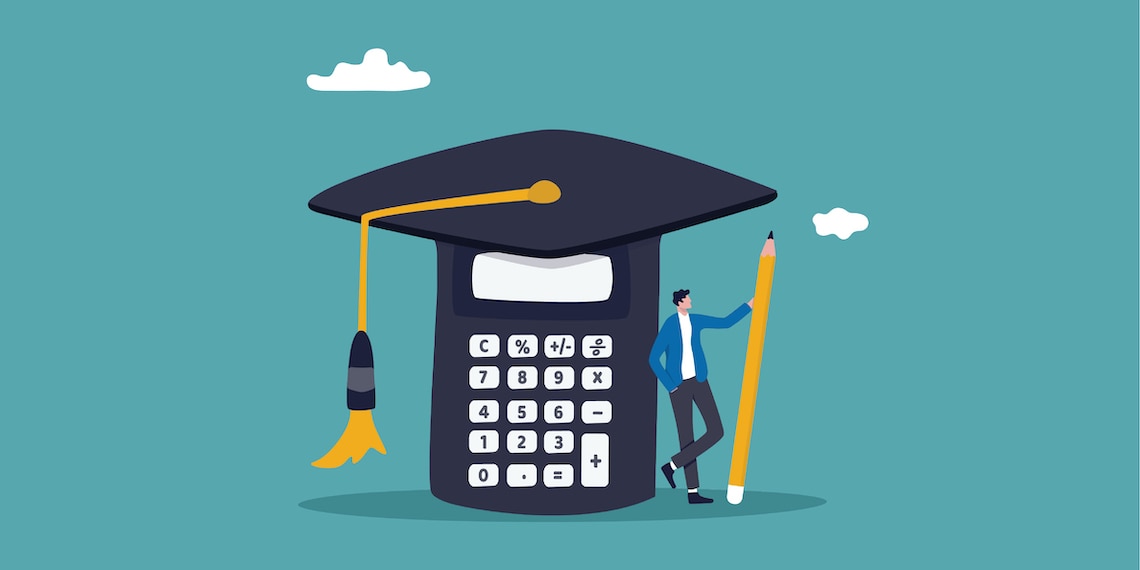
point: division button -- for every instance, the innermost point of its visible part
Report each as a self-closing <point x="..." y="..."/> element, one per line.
<point x="597" y="346"/>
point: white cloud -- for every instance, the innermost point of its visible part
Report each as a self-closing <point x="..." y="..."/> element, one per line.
<point x="839" y="222"/>
<point x="373" y="73"/>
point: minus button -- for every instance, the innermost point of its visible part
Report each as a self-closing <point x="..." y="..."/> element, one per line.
<point x="597" y="412"/>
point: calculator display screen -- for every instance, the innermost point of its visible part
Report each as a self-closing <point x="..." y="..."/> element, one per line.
<point x="583" y="278"/>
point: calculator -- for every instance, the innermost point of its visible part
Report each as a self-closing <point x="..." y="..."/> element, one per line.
<point x="543" y="401"/>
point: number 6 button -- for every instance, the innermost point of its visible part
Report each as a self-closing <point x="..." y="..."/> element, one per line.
<point x="558" y="412"/>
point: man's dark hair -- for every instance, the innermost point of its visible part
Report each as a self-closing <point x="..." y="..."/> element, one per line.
<point x="679" y="295"/>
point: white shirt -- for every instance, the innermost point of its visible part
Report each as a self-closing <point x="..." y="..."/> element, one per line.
<point x="688" y="363"/>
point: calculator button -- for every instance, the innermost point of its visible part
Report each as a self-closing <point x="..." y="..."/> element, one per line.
<point x="558" y="345"/>
<point x="596" y="412"/>
<point x="558" y="377"/>
<point x="522" y="441"/>
<point x="483" y="441"/>
<point x="522" y="377"/>
<point x="483" y="377"/>
<point x="558" y="412"/>
<point x="483" y="345"/>
<point x="558" y="441"/>
<point x="597" y="378"/>
<point x="522" y="475"/>
<point x="522" y="411"/>
<point x="483" y="411"/>
<point x="558" y="475"/>
<point x="522" y="346"/>
<point x="597" y="346"/>
<point x="483" y="475"/>
<point x="595" y="460"/>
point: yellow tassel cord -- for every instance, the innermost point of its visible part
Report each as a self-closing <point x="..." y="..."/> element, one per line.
<point x="360" y="434"/>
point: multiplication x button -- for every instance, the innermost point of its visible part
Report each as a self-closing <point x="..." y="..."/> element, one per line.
<point x="597" y="378"/>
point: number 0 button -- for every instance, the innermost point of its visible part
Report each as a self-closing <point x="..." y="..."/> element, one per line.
<point x="483" y="475"/>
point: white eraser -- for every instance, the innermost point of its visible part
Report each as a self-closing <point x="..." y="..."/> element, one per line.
<point x="735" y="494"/>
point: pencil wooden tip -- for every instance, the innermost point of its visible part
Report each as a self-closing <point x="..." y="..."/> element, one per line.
<point x="770" y="235"/>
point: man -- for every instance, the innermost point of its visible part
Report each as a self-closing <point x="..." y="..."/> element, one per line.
<point x="685" y="377"/>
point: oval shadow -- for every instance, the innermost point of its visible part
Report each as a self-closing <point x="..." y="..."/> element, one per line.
<point x="422" y="505"/>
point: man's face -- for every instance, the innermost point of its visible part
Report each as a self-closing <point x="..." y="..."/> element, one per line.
<point x="685" y="303"/>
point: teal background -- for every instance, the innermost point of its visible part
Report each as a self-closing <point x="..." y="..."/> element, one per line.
<point x="958" y="382"/>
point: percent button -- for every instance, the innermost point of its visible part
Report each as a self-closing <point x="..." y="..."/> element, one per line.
<point x="522" y="346"/>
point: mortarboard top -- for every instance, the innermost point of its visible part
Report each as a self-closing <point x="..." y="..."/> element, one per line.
<point x="613" y="192"/>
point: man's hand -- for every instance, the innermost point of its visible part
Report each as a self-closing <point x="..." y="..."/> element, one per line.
<point x="750" y="302"/>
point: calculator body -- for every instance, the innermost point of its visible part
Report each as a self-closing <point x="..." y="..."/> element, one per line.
<point x="545" y="407"/>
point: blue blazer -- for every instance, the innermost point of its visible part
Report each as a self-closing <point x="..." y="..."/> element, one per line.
<point x="669" y="343"/>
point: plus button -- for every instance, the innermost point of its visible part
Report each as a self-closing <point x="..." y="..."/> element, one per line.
<point x="595" y="460"/>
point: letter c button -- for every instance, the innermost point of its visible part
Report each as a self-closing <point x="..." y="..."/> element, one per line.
<point x="483" y="346"/>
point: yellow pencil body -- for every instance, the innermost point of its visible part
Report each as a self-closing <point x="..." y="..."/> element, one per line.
<point x="751" y="380"/>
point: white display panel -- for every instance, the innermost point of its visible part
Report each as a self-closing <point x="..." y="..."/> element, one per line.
<point x="583" y="278"/>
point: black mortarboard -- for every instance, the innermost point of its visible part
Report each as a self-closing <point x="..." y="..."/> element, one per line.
<point x="613" y="192"/>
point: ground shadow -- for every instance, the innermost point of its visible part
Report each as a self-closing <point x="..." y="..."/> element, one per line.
<point x="422" y="505"/>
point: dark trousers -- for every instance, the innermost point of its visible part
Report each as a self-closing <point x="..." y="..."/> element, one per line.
<point x="688" y="393"/>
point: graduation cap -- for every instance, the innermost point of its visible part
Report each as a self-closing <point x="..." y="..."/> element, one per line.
<point x="563" y="244"/>
<point x="613" y="192"/>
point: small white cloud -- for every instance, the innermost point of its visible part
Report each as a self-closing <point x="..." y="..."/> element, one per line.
<point x="372" y="74"/>
<point x="839" y="222"/>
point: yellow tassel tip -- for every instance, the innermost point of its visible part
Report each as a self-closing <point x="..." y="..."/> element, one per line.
<point x="359" y="436"/>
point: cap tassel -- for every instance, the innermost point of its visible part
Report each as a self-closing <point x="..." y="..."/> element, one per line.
<point x="360" y="434"/>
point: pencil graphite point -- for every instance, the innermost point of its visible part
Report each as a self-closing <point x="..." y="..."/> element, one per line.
<point x="770" y="235"/>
